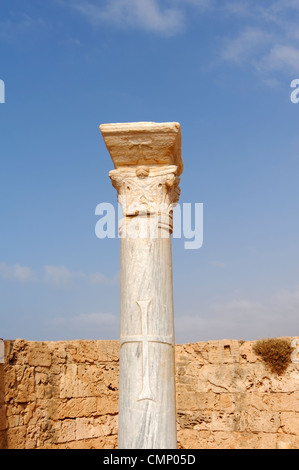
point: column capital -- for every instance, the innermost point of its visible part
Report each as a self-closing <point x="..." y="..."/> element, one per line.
<point x="146" y="190"/>
<point x="147" y="161"/>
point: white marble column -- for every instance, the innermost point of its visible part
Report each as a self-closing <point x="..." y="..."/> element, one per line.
<point x="147" y="161"/>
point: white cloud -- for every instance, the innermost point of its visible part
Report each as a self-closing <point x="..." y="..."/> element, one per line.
<point x="244" y="319"/>
<point x="202" y="4"/>
<point x="98" y="325"/>
<point x="62" y="276"/>
<point x="16" y="273"/>
<point x="219" y="264"/>
<point x="281" y="57"/>
<point x="99" y="278"/>
<point x="241" y="48"/>
<point x="19" y="24"/>
<point x="143" y="14"/>
<point x="93" y="319"/>
<point x="269" y="42"/>
<point x="74" y="41"/>
<point x="240" y="7"/>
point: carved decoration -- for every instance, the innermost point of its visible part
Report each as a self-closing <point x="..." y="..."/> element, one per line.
<point x="145" y="338"/>
<point x="146" y="190"/>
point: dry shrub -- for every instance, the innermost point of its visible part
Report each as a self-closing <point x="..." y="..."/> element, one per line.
<point x="276" y="352"/>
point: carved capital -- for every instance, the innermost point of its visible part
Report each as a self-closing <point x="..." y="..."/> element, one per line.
<point x="147" y="161"/>
<point x="146" y="190"/>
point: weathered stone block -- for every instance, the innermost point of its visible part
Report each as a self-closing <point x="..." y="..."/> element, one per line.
<point x="289" y="422"/>
<point x="69" y="381"/>
<point x="25" y="389"/>
<point x="74" y="407"/>
<point x="88" y="428"/>
<point x="263" y="421"/>
<point x="223" y="352"/>
<point x="65" y="431"/>
<point x="107" y="404"/>
<point x="16" y="437"/>
<point x="39" y="355"/>
<point x="3" y="418"/>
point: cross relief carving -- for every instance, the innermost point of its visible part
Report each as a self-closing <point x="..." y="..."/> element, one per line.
<point x="145" y="338"/>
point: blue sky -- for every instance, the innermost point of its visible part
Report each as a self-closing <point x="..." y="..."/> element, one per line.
<point x="223" y="70"/>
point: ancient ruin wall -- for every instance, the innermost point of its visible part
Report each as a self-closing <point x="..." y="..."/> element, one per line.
<point x="65" y="395"/>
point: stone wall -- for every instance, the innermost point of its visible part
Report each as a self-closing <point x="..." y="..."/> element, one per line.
<point x="65" y="395"/>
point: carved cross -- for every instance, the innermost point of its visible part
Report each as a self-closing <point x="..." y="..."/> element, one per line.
<point x="145" y="339"/>
<point x="141" y="145"/>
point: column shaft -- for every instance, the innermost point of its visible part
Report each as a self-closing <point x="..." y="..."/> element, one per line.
<point x="147" y="411"/>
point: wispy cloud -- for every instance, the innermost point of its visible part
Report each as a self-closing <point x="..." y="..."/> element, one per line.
<point x="246" y="45"/>
<point x="99" y="278"/>
<point x="62" y="276"/>
<point x="281" y="57"/>
<point x="59" y="276"/>
<point x="16" y="273"/>
<point x="97" y="325"/>
<point x="269" y="42"/>
<point x="243" y="319"/>
<point x="218" y="264"/>
<point x="265" y="37"/>
<point x="18" y="24"/>
<point x="92" y="319"/>
<point x="148" y="15"/>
